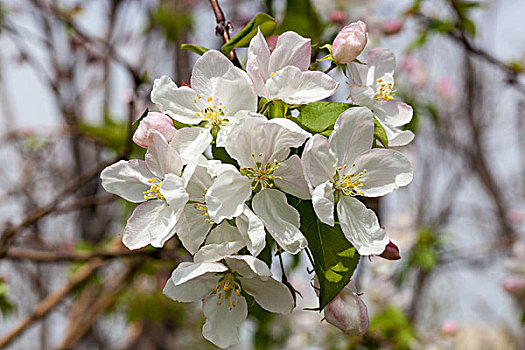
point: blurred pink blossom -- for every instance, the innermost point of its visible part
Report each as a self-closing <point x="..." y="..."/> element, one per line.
<point x="515" y="216"/>
<point x="446" y="88"/>
<point x="513" y="284"/>
<point x="338" y="17"/>
<point x="392" y="26"/>
<point x="449" y="327"/>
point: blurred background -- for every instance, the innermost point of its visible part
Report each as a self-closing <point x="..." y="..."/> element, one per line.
<point x="74" y="75"/>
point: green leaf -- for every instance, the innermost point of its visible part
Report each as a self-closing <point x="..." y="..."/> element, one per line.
<point x="379" y="133"/>
<point x="262" y="21"/>
<point x="335" y="259"/>
<point x="6" y="307"/>
<point x="272" y="108"/>
<point x="199" y="50"/>
<point x="469" y="25"/>
<point x="319" y="116"/>
<point x="136" y="123"/>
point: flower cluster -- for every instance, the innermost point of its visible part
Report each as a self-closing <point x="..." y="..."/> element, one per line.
<point x="227" y="179"/>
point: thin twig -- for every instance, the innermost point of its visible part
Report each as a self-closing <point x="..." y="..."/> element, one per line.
<point x="222" y="29"/>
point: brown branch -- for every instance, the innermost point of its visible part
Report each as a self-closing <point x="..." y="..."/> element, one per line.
<point x="222" y="29"/>
<point x="51" y="301"/>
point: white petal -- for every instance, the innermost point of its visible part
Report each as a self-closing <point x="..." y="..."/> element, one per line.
<point x="270" y="294"/>
<point x="318" y="163"/>
<point x="359" y="74"/>
<point x="280" y="219"/>
<point x="225" y="198"/>
<point x="323" y="202"/>
<point x="248" y="266"/>
<point x="200" y="181"/>
<point x="394" y="113"/>
<point x="252" y="229"/>
<point x="396" y="137"/>
<point x="353" y="134"/>
<point x="360" y="226"/>
<point x="189" y="143"/>
<point x="233" y="121"/>
<point x="215" y="76"/>
<point x="152" y="222"/>
<point x="174" y="101"/>
<point x="222" y="241"/>
<point x="363" y="95"/>
<point x="289" y="177"/>
<point x="258" y="62"/>
<point x="173" y="189"/>
<point x="160" y="158"/>
<point x="382" y="61"/>
<point x="127" y="179"/>
<point x="291" y="50"/>
<point x="294" y="86"/>
<point x="192" y="228"/>
<point x="193" y="281"/>
<point x="386" y="170"/>
<point x="221" y="327"/>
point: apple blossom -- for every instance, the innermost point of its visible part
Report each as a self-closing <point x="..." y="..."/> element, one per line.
<point x="261" y="147"/>
<point x="218" y="91"/>
<point x="220" y="285"/>
<point x="343" y="167"/>
<point x="373" y="87"/>
<point x="349" y="43"/>
<point x="158" y="183"/>
<point x="348" y="313"/>
<point x="154" y="121"/>
<point x="283" y="73"/>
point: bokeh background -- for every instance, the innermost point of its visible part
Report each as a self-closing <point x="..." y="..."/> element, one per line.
<point x="74" y="75"/>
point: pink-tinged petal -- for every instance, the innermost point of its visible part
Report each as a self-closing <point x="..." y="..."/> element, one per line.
<point x="161" y="159"/>
<point x="394" y="113"/>
<point x="289" y="177"/>
<point x="280" y="219"/>
<point x="154" y="121"/>
<point x="291" y="50"/>
<point x="363" y="95"/>
<point x="174" y="191"/>
<point x="258" y="62"/>
<point x="177" y="102"/>
<point x="349" y="42"/>
<point x="224" y="240"/>
<point x="359" y="72"/>
<point x="323" y="202"/>
<point x="386" y="170"/>
<point x="348" y="313"/>
<point x="248" y="266"/>
<point x="127" y="179"/>
<point x="225" y="198"/>
<point x="353" y="134"/>
<point x="192" y="228"/>
<point x="294" y="86"/>
<point x="319" y="164"/>
<point x="383" y="62"/>
<point x="152" y="222"/>
<point x="216" y="77"/>
<point x="193" y="281"/>
<point x="361" y="227"/>
<point x="223" y="320"/>
<point x="190" y="143"/>
<point x="270" y="294"/>
<point x="252" y="229"/>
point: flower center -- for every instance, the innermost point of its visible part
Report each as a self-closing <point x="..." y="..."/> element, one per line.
<point x="350" y="183"/>
<point x="204" y="209"/>
<point x="154" y="190"/>
<point x="262" y="174"/>
<point x="212" y="111"/>
<point x="384" y="91"/>
<point x="227" y="286"/>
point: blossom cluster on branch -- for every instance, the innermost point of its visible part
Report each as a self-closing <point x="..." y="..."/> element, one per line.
<point x="249" y="166"/>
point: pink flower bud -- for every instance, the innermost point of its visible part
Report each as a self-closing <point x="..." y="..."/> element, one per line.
<point x="349" y="43"/>
<point x="153" y="121"/>
<point x="391" y="252"/>
<point x="348" y="313"/>
<point x="338" y="16"/>
<point x="513" y="285"/>
<point x="392" y="26"/>
<point x="449" y="327"/>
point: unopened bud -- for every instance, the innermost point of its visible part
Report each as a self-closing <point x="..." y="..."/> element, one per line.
<point x="154" y="121"/>
<point x="392" y="26"/>
<point x="348" y="313"/>
<point x="513" y="285"/>
<point x="349" y="43"/>
<point x="272" y="42"/>
<point x="391" y="252"/>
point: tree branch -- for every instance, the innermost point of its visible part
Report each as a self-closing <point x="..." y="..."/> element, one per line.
<point x="222" y="29"/>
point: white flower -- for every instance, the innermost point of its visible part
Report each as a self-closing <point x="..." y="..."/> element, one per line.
<point x="194" y="223"/>
<point x="218" y="91"/>
<point x="261" y="147"/>
<point x="283" y="74"/>
<point x="158" y="183"/>
<point x="345" y="166"/>
<point x="372" y="87"/>
<point x="220" y="286"/>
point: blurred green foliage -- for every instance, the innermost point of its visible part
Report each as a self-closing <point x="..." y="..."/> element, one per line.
<point x="6" y="307"/>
